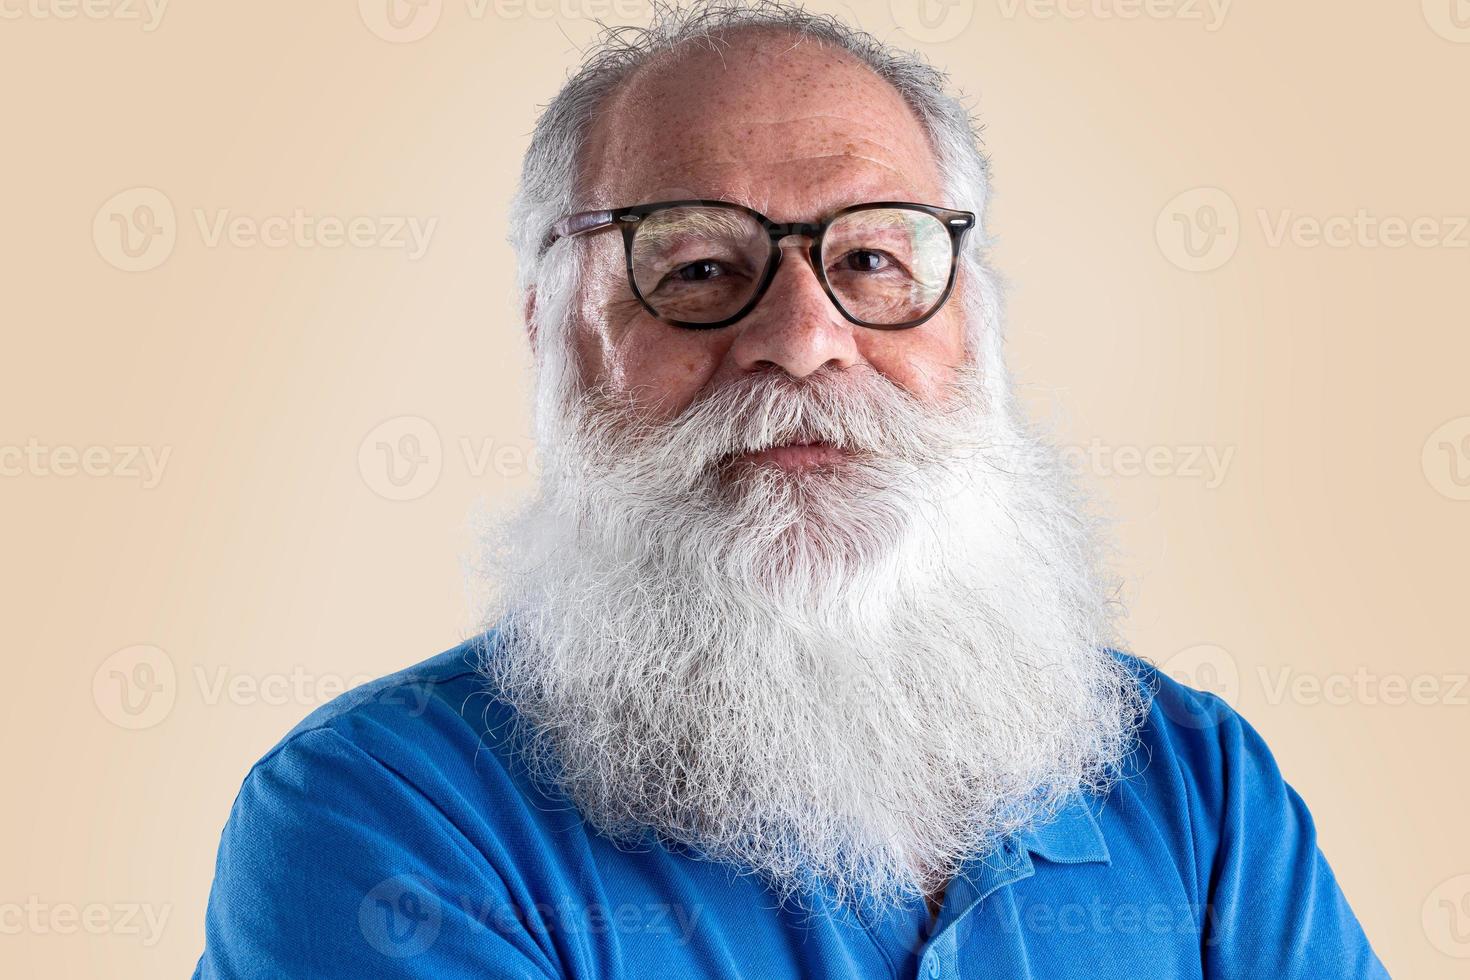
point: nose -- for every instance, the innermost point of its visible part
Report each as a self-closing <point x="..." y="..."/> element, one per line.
<point x="795" y="326"/>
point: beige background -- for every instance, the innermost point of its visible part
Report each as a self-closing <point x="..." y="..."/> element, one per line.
<point x="1314" y="572"/>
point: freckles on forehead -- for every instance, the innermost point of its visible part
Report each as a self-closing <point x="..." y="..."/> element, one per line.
<point x="765" y="116"/>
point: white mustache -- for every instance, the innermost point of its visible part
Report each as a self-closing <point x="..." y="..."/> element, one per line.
<point x="857" y="410"/>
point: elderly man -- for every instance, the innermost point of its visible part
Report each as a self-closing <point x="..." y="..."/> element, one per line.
<point x="799" y="663"/>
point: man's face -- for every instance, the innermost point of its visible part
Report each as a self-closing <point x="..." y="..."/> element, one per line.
<point x="795" y="133"/>
<point x="860" y="674"/>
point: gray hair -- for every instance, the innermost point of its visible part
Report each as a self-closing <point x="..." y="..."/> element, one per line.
<point x="549" y="174"/>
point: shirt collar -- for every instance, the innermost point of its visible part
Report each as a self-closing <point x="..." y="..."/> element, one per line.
<point x="1073" y="836"/>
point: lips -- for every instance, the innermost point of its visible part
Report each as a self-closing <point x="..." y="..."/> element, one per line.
<point x="796" y="455"/>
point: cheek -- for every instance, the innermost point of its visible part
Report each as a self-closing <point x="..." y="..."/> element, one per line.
<point x="922" y="359"/>
<point x="665" y="366"/>
<point x="660" y="366"/>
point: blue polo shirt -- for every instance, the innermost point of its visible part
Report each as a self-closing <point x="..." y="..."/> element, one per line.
<point x="391" y="834"/>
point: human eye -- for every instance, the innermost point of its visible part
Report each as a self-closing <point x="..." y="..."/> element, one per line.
<point x="865" y="260"/>
<point x="867" y="263"/>
<point x="700" y="270"/>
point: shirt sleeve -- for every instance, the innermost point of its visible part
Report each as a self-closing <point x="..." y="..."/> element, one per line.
<point x="332" y="865"/>
<point x="1273" y="907"/>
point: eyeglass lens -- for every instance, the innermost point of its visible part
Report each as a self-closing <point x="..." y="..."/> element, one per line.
<point x="702" y="264"/>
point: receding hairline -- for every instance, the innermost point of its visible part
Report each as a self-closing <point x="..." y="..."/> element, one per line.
<point x="623" y="95"/>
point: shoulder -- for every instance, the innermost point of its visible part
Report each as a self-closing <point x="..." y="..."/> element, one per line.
<point x="1202" y="779"/>
<point x="394" y="773"/>
<point x="1203" y="788"/>
<point x="390" y="796"/>
<point x="403" y="699"/>
<point x="405" y="720"/>
<point x="1195" y="733"/>
<point x="403" y="741"/>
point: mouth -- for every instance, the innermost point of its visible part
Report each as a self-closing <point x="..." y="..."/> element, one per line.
<point x="795" y="456"/>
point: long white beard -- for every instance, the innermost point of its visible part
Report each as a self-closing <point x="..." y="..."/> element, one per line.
<point x="853" y="678"/>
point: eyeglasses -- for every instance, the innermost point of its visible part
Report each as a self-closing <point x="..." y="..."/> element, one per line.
<point x="889" y="265"/>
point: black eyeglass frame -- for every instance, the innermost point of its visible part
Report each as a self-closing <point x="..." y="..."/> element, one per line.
<point x="628" y="220"/>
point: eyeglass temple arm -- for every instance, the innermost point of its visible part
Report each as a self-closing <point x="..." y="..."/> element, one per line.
<point x="576" y="224"/>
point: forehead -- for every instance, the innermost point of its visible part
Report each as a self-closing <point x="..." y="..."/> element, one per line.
<point x="780" y="123"/>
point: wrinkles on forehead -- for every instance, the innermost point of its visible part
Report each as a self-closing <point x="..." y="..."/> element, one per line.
<point x="792" y="130"/>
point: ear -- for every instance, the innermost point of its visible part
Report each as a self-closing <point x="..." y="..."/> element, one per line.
<point x="529" y="312"/>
